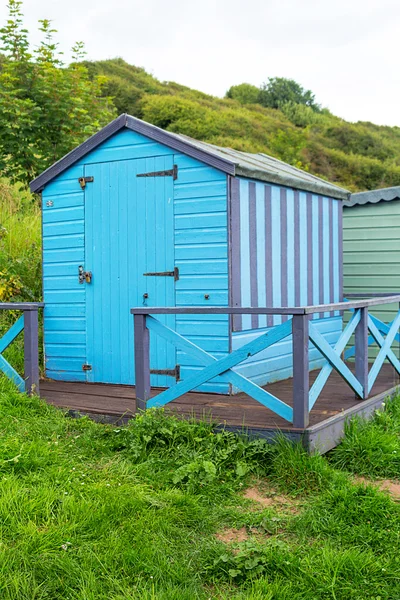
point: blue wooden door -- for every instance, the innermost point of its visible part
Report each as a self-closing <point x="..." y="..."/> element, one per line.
<point x="129" y="231"/>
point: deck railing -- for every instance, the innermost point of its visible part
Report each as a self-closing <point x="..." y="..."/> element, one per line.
<point x="366" y="328"/>
<point x="28" y="322"/>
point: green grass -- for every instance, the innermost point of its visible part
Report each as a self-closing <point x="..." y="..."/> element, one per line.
<point x="89" y="511"/>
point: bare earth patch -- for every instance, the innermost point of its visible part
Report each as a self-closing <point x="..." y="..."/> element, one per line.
<point x="232" y="536"/>
<point x="387" y="485"/>
<point x="270" y="498"/>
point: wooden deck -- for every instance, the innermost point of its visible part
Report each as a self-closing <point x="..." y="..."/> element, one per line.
<point x="116" y="403"/>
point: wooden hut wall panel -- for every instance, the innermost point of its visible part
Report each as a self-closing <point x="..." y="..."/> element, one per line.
<point x="199" y="239"/>
<point x="371" y="243"/>
<point x="288" y="253"/>
<point x="201" y="254"/>
<point x="63" y="252"/>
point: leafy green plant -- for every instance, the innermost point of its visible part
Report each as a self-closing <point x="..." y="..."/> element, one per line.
<point x="46" y="107"/>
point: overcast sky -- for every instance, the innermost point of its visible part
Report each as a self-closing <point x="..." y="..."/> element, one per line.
<point x="346" y="51"/>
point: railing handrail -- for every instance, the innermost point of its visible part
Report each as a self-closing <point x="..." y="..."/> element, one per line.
<point x="21" y="305"/>
<point x="369" y="294"/>
<point x="268" y="310"/>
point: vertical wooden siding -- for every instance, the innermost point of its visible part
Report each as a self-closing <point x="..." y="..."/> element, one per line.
<point x="289" y="255"/>
<point x="289" y="250"/>
<point x="371" y="246"/>
<point x="201" y="253"/>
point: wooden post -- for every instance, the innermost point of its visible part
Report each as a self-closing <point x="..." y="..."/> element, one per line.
<point x="31" y="351"/>
<point x="301" y="382"/>
<point x="142" y="361"/>
<point x="361" y="350"/>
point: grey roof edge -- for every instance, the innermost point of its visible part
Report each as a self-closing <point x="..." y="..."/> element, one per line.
<point x="292" y="177"/>
<point x="374" y="196"/>
<point x="342" y="192"/>
<point x="151" y="131"/>
<point x="317" y="187"/>
<point x="176" y="143"/>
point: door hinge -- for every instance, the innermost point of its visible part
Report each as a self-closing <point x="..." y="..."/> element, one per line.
<point x="169" y="173"/>
<point x="174" y="274"/>
<point x="84" y="180"/>
<point x="170" y="372"/>
<point x="86" y="367"/>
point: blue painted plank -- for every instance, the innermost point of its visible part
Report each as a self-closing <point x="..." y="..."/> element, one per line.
<point x="62" y="228"/>
<point x="335" y="360"/>
<point x="56" y="363"/>
<point x="247" y="386"/>
<point x="63" y="241"/>
<point x="11" y="334"/>
<point x="58" y="215"/>
<point x="195" y="221"/>
<point x="201" y="252"/>
<point x="385" y="351"/>
<point x="59" y="256"/>
<point x="60" y="187"/>
<point x="222" y="365"/>
<point x="383" y="327"/>
<point x="205" y="283"/>
<point x="327" y="369"/>
<point x="61" y="375"/>
<point x="51" y="271"/>
<point x="65" y="337"/>
<point x="196" y="173"/>
<point x="65" y="350"/>
<point x="62" y="282"/>
<point x="106" y="154"/>
<point x="196" y="298"/>
<point x="12" y="374"/>
<point x="64" y="296"/>
<point x="71" y="200"/>
<point x="209" y="204"/>
<point x="202" y="235"/>
<point x="245" y="251"/>
<point x="205" y="189"/>
<point x="64" y="310"/>
<point x="276" y="250"/>
<point x="65" y="323"/>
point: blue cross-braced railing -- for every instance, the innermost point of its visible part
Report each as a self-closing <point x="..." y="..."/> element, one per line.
<point x="366" y="329"/>
<point x="27" y="322"/>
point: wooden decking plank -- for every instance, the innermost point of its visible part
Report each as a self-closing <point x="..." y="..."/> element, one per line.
<point x="239" y="410"/>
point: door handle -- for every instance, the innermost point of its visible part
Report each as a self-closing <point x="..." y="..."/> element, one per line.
<point x="84" y="276"/>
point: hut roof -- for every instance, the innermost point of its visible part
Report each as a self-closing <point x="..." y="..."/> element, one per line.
<point x="374" y="196"/>
<point x="233" y="162"/>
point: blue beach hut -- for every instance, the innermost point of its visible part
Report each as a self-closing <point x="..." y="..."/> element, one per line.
<point x="140" y="216"/>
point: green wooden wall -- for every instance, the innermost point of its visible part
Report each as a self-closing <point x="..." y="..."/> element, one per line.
<point x="371" y="248"/>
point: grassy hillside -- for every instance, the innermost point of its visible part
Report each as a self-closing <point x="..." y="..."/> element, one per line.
<point x="358" y="156"/>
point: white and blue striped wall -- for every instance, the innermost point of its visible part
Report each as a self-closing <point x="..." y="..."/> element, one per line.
<point x="286" y="250"/>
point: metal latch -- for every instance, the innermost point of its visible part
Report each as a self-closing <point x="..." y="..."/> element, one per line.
<point x="170" y="372"/>
<point x="86" y="367"/>
<point x="174" y="274"/>
<point x="84" y="180"/>
<point x="84" y="276"/>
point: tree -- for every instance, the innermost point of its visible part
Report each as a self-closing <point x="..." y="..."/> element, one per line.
<point x="46" y="107"/>
<point x="279" y="91"/>
<point x="245" y="93"/>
